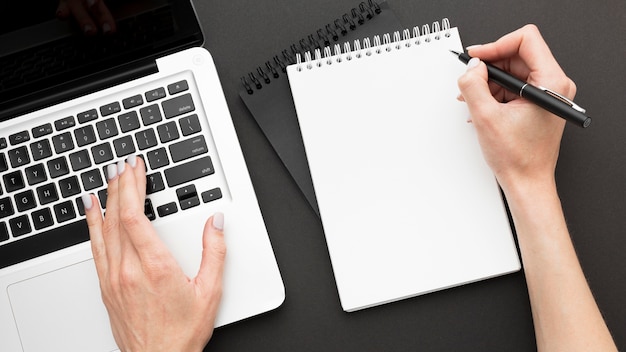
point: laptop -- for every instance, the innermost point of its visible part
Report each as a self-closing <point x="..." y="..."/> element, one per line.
<point x="73" y="103"/>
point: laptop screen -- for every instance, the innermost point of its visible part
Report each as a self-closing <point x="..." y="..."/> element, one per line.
<point x="52" y="46"/>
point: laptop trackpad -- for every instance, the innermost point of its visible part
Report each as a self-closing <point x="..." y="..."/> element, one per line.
<point x="62" y="311"/>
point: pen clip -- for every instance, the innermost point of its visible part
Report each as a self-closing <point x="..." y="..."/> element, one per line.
<point x="563" y="99"/>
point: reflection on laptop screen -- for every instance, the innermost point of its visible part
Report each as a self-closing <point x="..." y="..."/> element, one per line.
<point x="42" y="50"/>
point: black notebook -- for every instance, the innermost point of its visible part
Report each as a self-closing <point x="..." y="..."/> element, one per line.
<point x="266" y="92"/>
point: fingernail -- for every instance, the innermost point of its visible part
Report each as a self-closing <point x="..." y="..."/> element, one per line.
<point x="121" y="165"/>
<point x="106" y="28"/>
<point x="87" y="203"/>
<point x="218" y="221"/>
<point x="460" y="98"/>
<point x="473" y="63"/>
<point x="87" y="28"/>
<point x="111" y="171"/>
<point x="473" y="47"/>
<point x="132" y="160"/>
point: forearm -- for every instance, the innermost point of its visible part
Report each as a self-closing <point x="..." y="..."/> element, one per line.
<point x="565" y="314"/>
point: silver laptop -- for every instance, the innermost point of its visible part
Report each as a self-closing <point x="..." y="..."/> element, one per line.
<point x="70" y="105"/>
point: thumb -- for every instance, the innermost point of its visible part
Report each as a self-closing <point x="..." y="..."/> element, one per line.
<point x="474" y="88"/>
<point x="213" y="253"/>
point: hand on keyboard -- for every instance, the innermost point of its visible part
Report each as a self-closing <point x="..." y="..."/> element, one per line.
<point x="149" y="299"/>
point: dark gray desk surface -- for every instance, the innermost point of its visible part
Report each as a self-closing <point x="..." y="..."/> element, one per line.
<point x="587" y="37"/>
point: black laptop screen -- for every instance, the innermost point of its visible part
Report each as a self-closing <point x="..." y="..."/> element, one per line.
<point x="47" y="46"/>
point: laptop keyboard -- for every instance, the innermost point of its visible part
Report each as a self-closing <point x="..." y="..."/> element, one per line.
<point x="45" y="167"/>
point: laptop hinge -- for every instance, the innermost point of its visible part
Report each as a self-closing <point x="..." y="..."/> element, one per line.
<point x="73" y="89"/>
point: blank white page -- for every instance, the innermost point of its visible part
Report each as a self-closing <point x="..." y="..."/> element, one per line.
<point x="408" y="204"/>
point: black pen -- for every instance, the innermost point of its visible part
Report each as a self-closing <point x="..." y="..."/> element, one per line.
<point x="543" y="97"/>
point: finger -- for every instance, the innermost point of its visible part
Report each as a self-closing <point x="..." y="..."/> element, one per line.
<point x="475" y="90"/>
<point x="111" y="232"/>
<point x="213" y="255"/>
<point x="103" y="16"/>
<point x="63" y="11"/>
<point x="93" y="216"/>
<point x="137" y="227"/>
<point x="139" y="170"/>
<point x="82" y="17"/>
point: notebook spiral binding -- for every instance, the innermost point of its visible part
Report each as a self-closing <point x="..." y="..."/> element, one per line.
<point x="332" y="32"/>
<point x="367" y="48"/>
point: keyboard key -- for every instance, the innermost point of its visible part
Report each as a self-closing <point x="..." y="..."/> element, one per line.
<point x="167" y="209"/>
<point x="186" y="192"/>
<point x="109" y="109"/>
<point x="146" y="139"/>
<point x="42" y="218"/>
<point x="41" y="149"/>
<point x="103" y="195"/>
<point x="6" y="207"/>
<point x="20" y="226"/>
<point x="128" y="121"/>
<point x="178" y="106"/>
<point x="149" y="210"/>
<point x="63" y="143"/>
<point x="19" y="137"/>
<point x="69" y="186"/>
<point x="167" y="132"/>
<point x="64" y="123"/>
<point x="19" y="156"/>
<point x="80" y="160"/>
<point x="47" y="194"/>
<point x="3" y="143"/>
<point x="211" y="195"/>
<point x="157" y="158"/>
<point x="106" y="129"/>
<point x="150" y="114"/>
<point x="102" y="153"/>
<point x="188" y="148"/>
<point x="189" y="171"/>
<point x="132" y="101"/>
<point x="64" y="211"/>
<point x="124" y="146"/>
<point x="58" y="167"/>
<point x="85" y="135"/>
<point x="91" y="179"/>
<point x="3" y="163"/>
<point x="35" y="174"/>
<point x="190" y="125"/>
<point x="155" y="94"/>
<point x="189" y="202"/>
<point x="4" y="232"/>
<point x="25" y="200"/>
<point x="87" y="116"/>
<point x="154" y="183"/>
<point x="177" y="87"/>
<point x="13" y="181"/>
<point x="80" y="206"/>
<point x="42" y="130"/>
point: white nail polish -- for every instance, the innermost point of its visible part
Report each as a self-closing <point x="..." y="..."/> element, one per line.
<point x="218" y="221"/>
<point x="106" y="28"/>
<point x="132" y="160"/>
<point x="87" y="203"/>
<point x="121" y="165"/>
<point x="87" y="28"/>
<point x="473" y="63"/>
<point x="111" y="171"/>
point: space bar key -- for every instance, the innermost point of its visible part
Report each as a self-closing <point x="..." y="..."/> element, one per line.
<point x="189" y="171"/>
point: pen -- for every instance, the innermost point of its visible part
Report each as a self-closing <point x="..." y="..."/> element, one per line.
<point x="543" y="97"/>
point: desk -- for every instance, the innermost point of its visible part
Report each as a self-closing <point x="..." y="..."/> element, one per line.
<point x="587" y="38"/>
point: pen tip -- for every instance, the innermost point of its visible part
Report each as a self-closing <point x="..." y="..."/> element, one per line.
<point x="455" y="53"/>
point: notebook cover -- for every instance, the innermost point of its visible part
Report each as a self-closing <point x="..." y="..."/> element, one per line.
<point x="272" y="104"/>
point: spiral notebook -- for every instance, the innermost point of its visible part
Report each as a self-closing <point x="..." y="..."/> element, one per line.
<point x="267" y="96"/>
<point x="407" y="202"/>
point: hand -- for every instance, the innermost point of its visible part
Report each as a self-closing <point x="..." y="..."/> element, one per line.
<point x="520" y="141"/>
<point x="152" y="305"/>
<point x="89" y="14"/>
